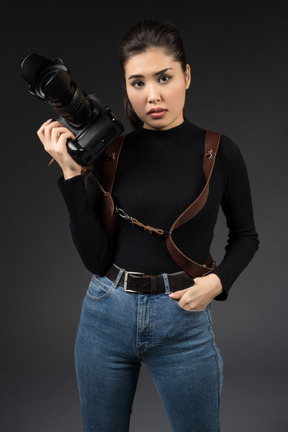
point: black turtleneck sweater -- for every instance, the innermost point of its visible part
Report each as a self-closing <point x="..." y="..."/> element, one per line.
<point x="159" y="174"/>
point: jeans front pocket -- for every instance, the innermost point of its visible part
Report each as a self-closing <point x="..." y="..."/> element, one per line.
<point x="188" y="311"/>
<point x="99" y="288"/>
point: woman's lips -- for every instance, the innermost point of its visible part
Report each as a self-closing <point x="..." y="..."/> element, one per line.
<point x="156" y="113"/>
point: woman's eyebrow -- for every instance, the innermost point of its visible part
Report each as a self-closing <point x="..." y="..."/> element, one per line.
<point x="156" y="74"/>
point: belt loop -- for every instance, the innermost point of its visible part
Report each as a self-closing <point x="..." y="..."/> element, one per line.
<point x="117" y="280"/>
<point x="166" y="283"/>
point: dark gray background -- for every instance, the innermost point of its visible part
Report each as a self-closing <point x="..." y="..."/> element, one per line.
<point x="238" y="56"/>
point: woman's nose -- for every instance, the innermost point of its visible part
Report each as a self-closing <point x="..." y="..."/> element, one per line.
<point x="153" y="94"/>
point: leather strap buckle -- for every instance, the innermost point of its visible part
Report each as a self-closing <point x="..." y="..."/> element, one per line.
<point x="126" y="276"/>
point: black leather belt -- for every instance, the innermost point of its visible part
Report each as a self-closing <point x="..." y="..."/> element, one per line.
<point x="148" y="284"/>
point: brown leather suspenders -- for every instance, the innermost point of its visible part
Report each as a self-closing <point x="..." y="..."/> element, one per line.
<point x="109" y="211"/>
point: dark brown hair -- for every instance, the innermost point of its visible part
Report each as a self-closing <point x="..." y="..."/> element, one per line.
<point x="146" y="34"/>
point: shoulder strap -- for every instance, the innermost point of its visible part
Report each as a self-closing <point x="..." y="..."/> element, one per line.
<point x="110" y="163"/>
<point x="210" y="150"/>
<point x="194" y="269"/>
<point x="109" y="168"/>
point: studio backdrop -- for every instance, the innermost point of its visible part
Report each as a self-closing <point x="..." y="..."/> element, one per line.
<point x="239" y="63"/>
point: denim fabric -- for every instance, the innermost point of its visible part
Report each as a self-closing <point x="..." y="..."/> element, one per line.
<point x="118" y="331"/>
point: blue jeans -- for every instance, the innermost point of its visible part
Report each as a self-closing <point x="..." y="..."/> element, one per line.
<point x="118" y="331"/>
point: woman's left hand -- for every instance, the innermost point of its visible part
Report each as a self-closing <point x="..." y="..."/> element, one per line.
<point x="199" y="296"/>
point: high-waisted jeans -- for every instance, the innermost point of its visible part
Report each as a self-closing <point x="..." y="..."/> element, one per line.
<point x="119" y="330"/>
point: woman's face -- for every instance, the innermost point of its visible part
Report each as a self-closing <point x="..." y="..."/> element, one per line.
<point x="156" y="87"/>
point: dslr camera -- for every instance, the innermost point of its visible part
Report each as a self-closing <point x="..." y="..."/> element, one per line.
<point x="94" y="125"/>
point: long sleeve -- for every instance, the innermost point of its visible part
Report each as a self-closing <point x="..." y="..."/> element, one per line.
<point x="88" y="234"/>
<point x="237" y="207"/>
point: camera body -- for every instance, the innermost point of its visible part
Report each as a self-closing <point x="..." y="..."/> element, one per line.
<point x="92" y="139"/>
<point x="94" y="125"/>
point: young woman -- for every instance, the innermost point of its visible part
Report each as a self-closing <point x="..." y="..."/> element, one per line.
<point x="160" y="173"/>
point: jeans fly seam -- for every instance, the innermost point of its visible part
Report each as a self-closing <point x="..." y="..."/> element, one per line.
<point x="144" y="325"/>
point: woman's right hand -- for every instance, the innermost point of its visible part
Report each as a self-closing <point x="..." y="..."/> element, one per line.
<point x="54" y="136"/>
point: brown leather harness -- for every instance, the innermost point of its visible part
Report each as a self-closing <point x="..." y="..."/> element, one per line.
<point x="109" y="210"/>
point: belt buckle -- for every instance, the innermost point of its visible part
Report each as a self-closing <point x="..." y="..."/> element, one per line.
<point x="126" y="280"/>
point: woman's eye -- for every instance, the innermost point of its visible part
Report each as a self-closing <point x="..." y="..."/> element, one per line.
<point x="137" y="84"/>
<point x="165" y="78"/>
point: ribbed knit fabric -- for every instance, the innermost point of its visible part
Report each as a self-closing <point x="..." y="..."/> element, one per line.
<point x="159" y="174"/>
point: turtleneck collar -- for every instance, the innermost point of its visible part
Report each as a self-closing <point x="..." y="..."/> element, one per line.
<point x="177" y="133"/>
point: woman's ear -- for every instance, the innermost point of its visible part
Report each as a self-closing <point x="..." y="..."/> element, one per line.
<point x="188" y="76"/>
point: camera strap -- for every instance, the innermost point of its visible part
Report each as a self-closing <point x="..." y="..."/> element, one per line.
<point x="109" y="210"/>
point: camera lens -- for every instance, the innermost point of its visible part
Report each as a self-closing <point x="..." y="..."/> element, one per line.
<point x="50" y="80"/>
